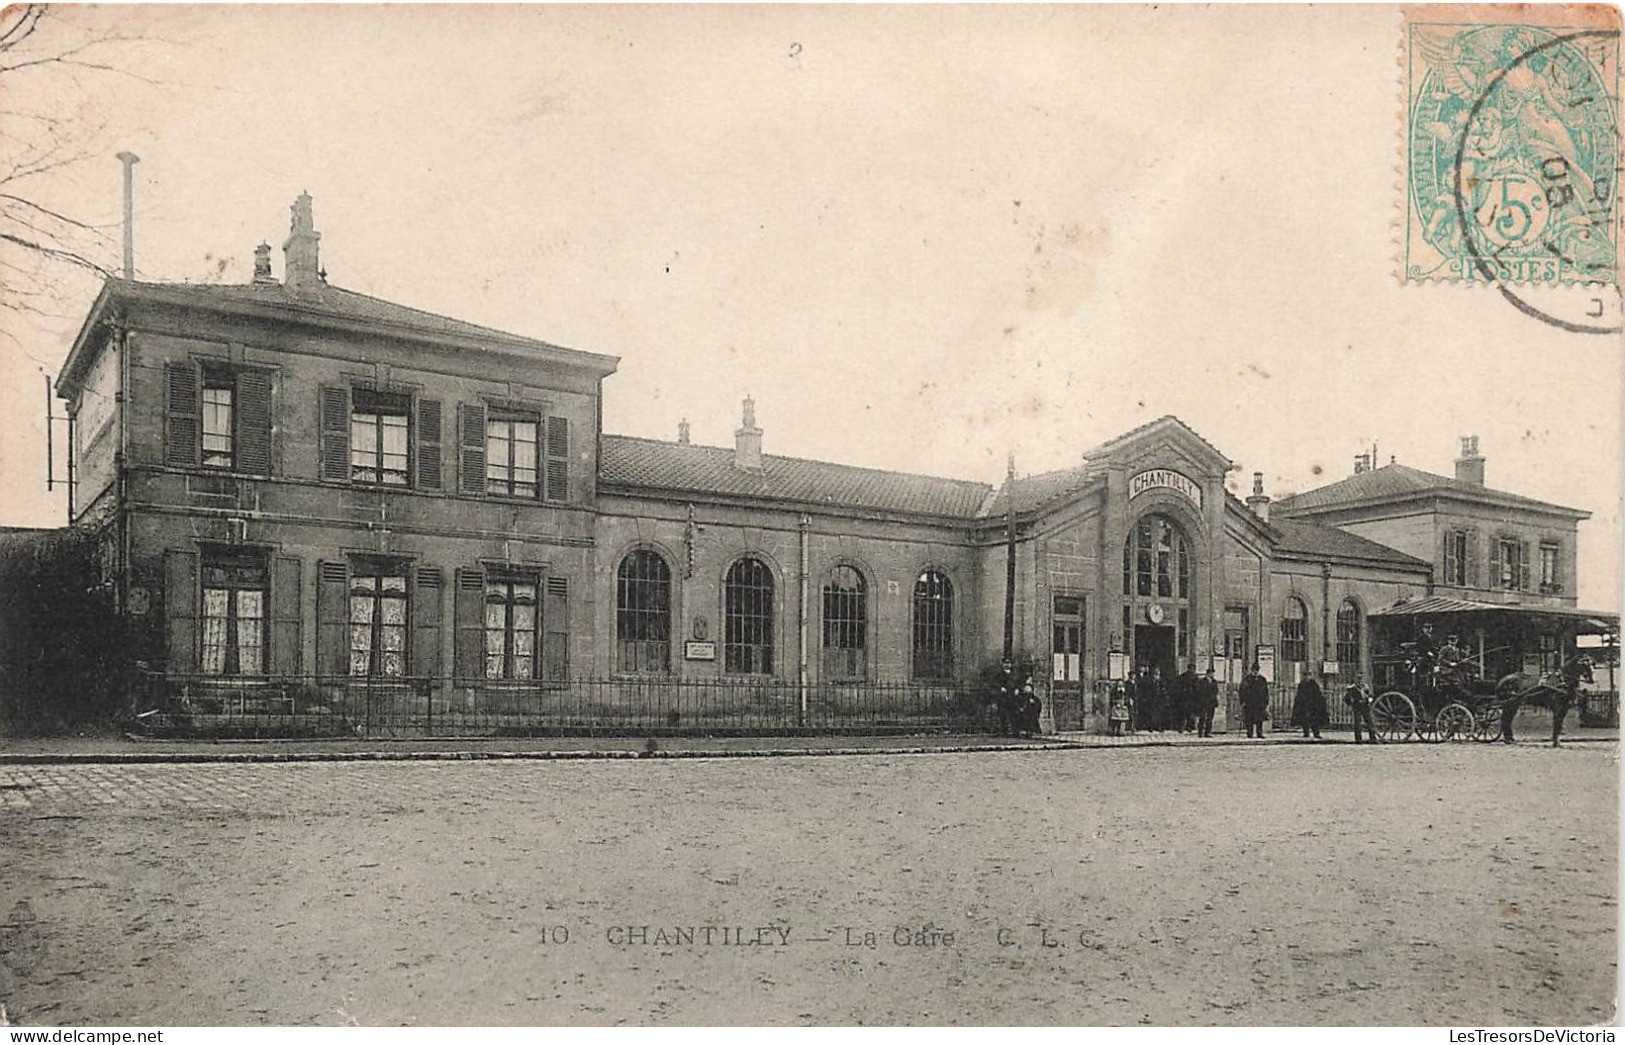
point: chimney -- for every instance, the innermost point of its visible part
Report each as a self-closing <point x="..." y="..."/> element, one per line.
<point x="682" y="431"/>
<point x="1470" y="466"/>
<point x="1362" y="463"/>
<point x="748" y="441"/>
<point x="302" y="269"/>
<point x="262" y="264"/>
<point x="1259" y="501"/>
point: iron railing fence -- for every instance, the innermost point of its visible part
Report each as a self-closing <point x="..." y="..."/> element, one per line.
<point x="338" y="706"/>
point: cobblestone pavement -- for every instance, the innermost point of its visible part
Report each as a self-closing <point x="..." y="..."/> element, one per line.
<point x="1280" y="883"/>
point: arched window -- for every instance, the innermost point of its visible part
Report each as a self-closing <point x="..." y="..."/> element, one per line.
<point x="1348" y="638"/>
<point x="846" y="615"/>
<point x="1156" y="560"/>
<point x="933" y="626"/>
<point x="747" y="614"/>
<point x="1294" y="631"/>
<point x="643" y="613"/>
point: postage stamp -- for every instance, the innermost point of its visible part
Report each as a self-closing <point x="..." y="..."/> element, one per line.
<point x="1512" y="144"/>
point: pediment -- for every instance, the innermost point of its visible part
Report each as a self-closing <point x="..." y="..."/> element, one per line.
<point x="1164" y="443"/>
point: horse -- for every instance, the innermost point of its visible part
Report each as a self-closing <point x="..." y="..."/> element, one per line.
<point x="1553" y="690"/>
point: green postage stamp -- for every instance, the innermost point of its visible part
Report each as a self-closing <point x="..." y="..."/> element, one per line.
<point x="1512" y="144"/>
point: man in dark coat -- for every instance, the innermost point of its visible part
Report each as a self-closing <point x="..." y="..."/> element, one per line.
<point x="1358" y="699"/>
<point x="1309" y="707"/>
<point x="1147" y="702"/>
<point x="1254" y="697"/>
<point x="1255" y="701"/>
<point x="1004" y="700"/>
<point x="1207" y="702"/>
<point x="1182" y="699"/>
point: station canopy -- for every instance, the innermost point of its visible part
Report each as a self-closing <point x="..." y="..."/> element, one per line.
<point x="1587" y="622"/>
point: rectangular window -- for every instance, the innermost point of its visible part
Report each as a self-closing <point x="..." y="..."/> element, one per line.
<point x="379" y="438"/>
<point x="1550" y="582"/>
<point x="378" y="620"/>
<point x="1455" y="557"/>
<point x="510" y="628"/>
<point x="235" y="594"/>
<point x="510" y="455"/>
<point x="219" y="409"/>
<point x="1294" y="636"/>
<point x="1512" y="565"/>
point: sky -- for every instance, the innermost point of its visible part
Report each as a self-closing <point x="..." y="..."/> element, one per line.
<point x="919" y="237"/>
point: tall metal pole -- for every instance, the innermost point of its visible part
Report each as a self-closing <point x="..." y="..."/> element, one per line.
<point x="50" y="449"/>
<point x="129" y="159"/>
<point x="1010" y="558"/>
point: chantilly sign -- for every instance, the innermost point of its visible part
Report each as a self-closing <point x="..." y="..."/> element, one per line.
<point x="1155" y="478"/>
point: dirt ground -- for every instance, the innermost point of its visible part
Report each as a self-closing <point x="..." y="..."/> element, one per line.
<point x="1461" y="884"/>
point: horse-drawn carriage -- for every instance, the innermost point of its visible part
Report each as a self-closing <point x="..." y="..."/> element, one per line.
<point x="1445" y="699"/>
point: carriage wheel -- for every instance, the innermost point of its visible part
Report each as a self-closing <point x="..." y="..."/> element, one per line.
<point x="1394" y="716"/>
<point x="1487" y="725"/>
<point x="1454" y="722"/>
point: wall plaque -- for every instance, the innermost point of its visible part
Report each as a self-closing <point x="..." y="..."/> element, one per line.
<point x="699" y="651"/>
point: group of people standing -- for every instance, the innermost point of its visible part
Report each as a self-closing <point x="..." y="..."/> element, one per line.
<point x="1309" y="711"/>
<point x="1146" y="701"/>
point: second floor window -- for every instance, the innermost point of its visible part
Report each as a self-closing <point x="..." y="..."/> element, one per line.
<point x="379" y="438"/>
<point x="1550" y="581"/>
<point x="1455" y="557"/>
<point x="219" y="409"/>
<point x="510" y="455"/>
<point x="1512" y="567"/>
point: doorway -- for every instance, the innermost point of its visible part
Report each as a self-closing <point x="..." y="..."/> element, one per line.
<point x="1154" y="648"/>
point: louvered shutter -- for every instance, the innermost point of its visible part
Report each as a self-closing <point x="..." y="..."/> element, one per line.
<point x="182" y="414"/>
<point x="287" y="656"/>
<point x="1523" y="565"/>
<point x="558" y="458"/>
<point x="180" y="611"/>
<point x="429" y="438"/>
<point x="254" y="422"/>
<point x="332" y="619"/>
<point x="469" y="652"/>
<point x="335" y="434"/>
<point x="1472" y="559"/>
<point x="1444" y="561"/>
<point x="1495" y="563"/>
<point x="426" y="614"/>
<point x="556" y="630"/>
<point x="471" y="449"/>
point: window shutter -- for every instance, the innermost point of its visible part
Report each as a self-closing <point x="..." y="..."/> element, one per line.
<point x="556" y="630"/>
<point x="426" y="595"/>
<point x="287" y="656"/>
<point x="180" y="611"/>
<point x="335" y="439"/>
<point x="429" y="460"/>
<point x="254" y="422"/>
<point x="471" y="450"/>
<point x="1444" y="574"/>
<point x="558" y="458"/>
<point x="1495" y="562"/>
<point x="182" y="414"/>
<point x="333" y="619"/>
<point x="1523" y="566"/>
<point x="1472" y="558"/>
<point x="470" y="611"/>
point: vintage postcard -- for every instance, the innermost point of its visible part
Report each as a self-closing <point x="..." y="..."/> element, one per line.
<point x="809" y="516"/>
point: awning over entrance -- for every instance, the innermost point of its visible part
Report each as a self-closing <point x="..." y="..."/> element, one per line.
<point x="1588" y="622"/>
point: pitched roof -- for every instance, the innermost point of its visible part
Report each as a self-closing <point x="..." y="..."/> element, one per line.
<point x="1117" y="441"/>
<point x="1327" y="542"/>
<point x="653" y="464"/>
<point x="325" y="304"/>
<point x="1398" y="481"/>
